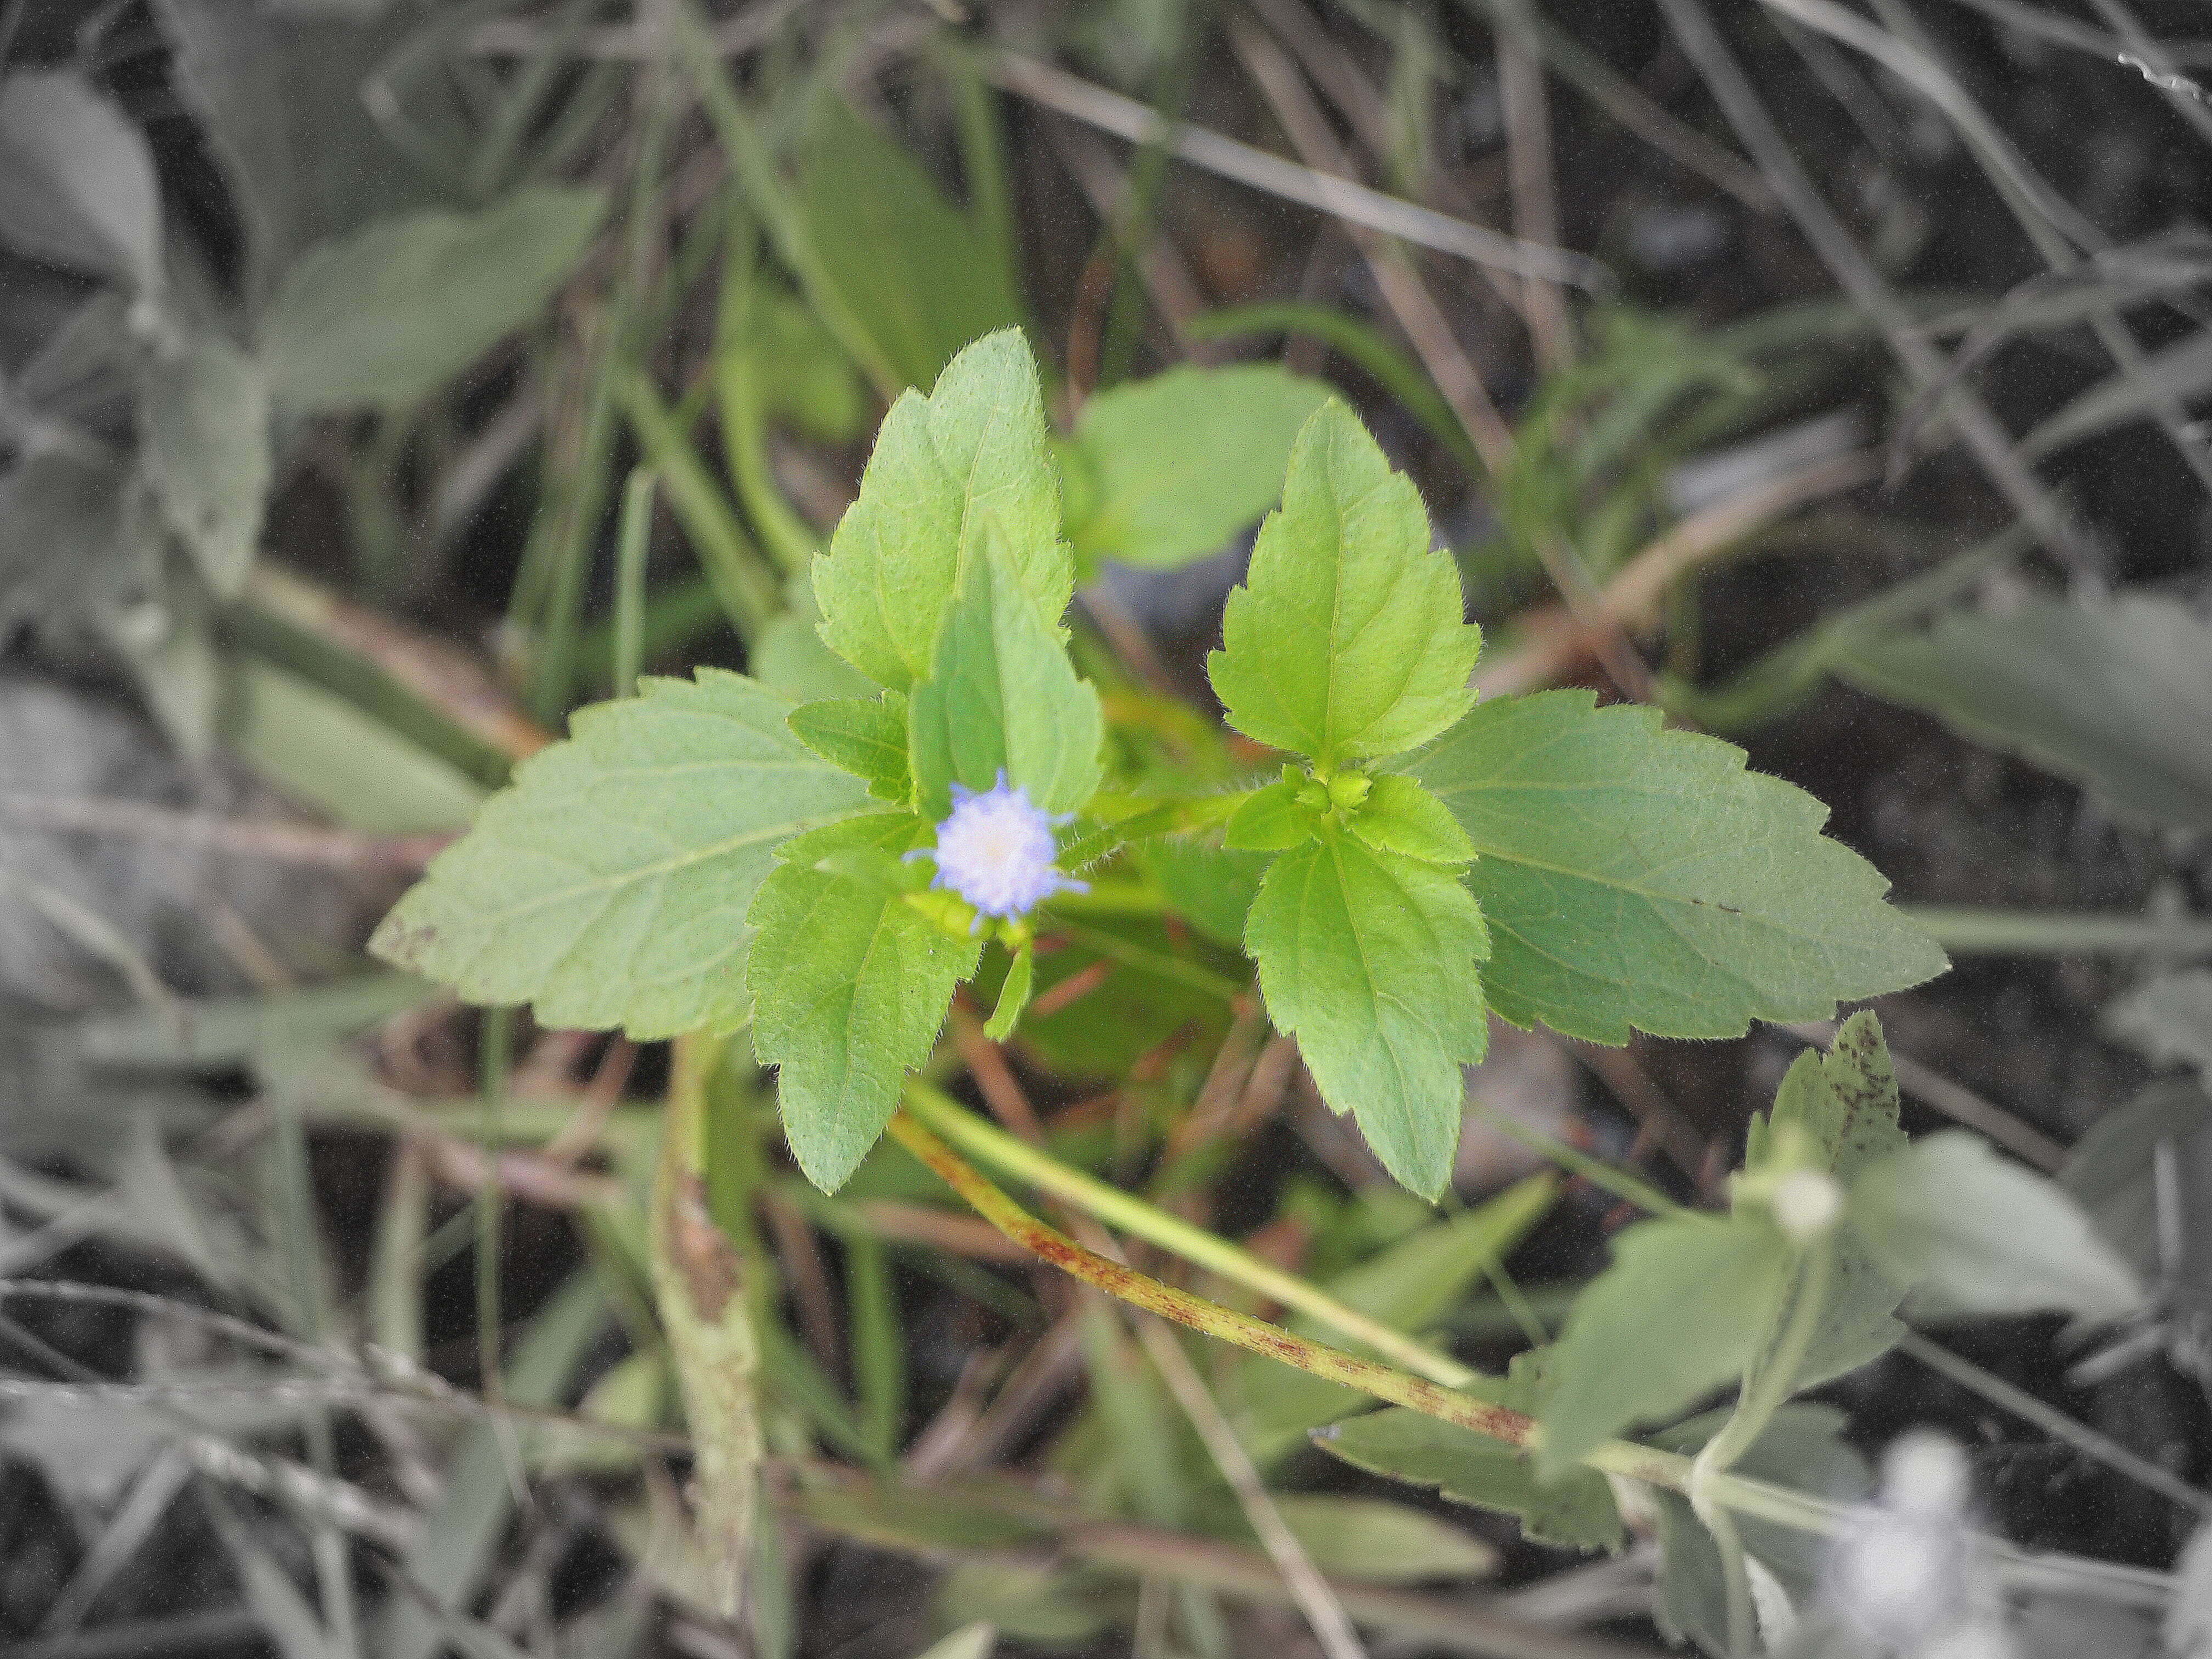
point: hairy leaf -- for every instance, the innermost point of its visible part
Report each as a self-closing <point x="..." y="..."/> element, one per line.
<point x="973" y="451"/>
<point x="608" y="886"/>
<point x="866" y="735"/>
<point x="850" y="986"/>
<point x="1637" y="878"/>
<point x="1980" y="1235"/>
<point x="1002" y="695"/>
<point x="1370" y="958"/>
<point x="204" y="411"/>
<point x="1399" y="816"/>
<point x="1348" y="639"/>
<point x="1165" y="470"/>
<point x="2110" y="696"/>
<point x="1685" y="1306"/>
<point x="77" y="180"/>
<point x="381" y="318"/>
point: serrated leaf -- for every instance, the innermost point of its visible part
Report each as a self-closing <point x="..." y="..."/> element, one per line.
<point x="1370" y="959"/>
<point x="1002" y="695"/>
<point x="1347" y="639"/>
<point x="2111" y="696"/>
<point x="865" y="736"/>
<point x="1950" y="1217"/>
<point x="1165" y="470"/>
<point x="1273" y="820"/>
<point x="850" y="986"/>
<point x="1640" y="879"/>
<point x="608" y="886"/>
<point x="906" y="264"/>
<point x="1687" y="1304"/>
<point x="974" y="449"/>
<point x="1575" y="1511"/>
<point x="204" y="411"/>
<point x="77" y="180"/>
<point x="1400" y="816"/>
<point x="381" y="318"/>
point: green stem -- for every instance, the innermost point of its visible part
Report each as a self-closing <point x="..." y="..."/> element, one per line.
<point x="1775" y="1379"/>
<point x="630" y="579"/>
<point x="1736" y="1580"/>
<point x="1969" y="930"/>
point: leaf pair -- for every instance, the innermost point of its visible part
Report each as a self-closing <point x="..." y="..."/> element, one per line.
<point x="1346" y="643"/>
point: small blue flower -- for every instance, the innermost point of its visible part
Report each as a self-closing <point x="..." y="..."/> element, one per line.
<point x="996" y="851"/>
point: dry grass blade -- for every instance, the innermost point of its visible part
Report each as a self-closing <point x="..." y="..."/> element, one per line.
<point x="1125" y="118"/>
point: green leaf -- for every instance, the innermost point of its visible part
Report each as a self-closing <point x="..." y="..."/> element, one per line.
<point x="866" y="735"/>
<point x="1379" y="1541"/>
<point x="323" y="750"/>
<point x="1165" y="470"/>
<point x="1014" y="993"/>
<point x="906" y="263"/>
<point x="1002" y="695"/>
<point x="1370" y="959"/>
<point x="1686" y="1305"/>
<point x="791" y="660"/>
<point x="204" y="411"/>
<point x="1211" y="887"/>
<point x="850" y="986"/>
<point x="1980" y="1235"/>
<point x="1575" y="1511"/>
<point x="1639" y="879"/>
<point x="77" y="180"/>
<point x="381" y="317"/>
<point x="2110" y="696"/>
<point x="1274" y="820"/>
<point x="608" y="886"/>
<point x="1347" y="639"/>
<point x="1400" y="816"/>
<point x="973" y="450"/>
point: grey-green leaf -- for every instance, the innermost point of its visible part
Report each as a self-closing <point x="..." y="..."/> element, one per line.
<point x="974" y="450"/>
<point x="77" y="180"/>
<point x="379" y="319"/>
<point x="203" y="409"/>
<point x="1348" y="639"/>
<point x="850" y="986"/>
<point x="1002" y="695"/>
<point x="1980" y="1235"/>
<point x="1641" y="879"/>
<point x="609" y="884"/>
<point x="1165" y="470"/>
<point x="2111" y="696"/>
<point x="1684" y="1308"/>
<point x="1370" y="959"/>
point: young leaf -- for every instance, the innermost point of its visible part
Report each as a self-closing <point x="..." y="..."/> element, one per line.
<point x="2109" y="695"/>
<point x="1399" y="816"/>
<point x="381" y="318"/>
<point x="608" y="886"/>
<point x="1684" y="1308"/>
<point x="1575" y="1511"/>
<point x="1013" y="994"/>
<point x="1370" y="959"/>
<point x="1273" y="820"/>
<point x="973" y="449"/>
<point x="1165" y="470"/>
<point x="1951" y="1218"/>
<point x="850" y="986"/>
<point x="204" y="409"/>
<point x="1348" y="639"/>
<point x="1002" y="695"/>
<point x="866" y="735"/>
<point x="1640" y="879"/>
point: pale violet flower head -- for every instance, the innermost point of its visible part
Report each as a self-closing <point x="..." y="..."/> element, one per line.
<point x="1906" y="1571"/>
<point x="996" y="851"/>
